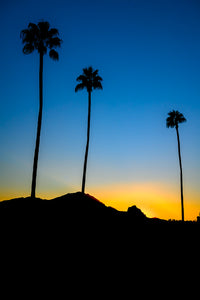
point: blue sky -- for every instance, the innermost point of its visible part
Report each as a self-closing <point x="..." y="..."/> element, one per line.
<point x="147" y="53"/>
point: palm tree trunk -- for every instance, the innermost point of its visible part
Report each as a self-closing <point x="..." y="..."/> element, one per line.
<point x="87" y="145"/>
<point x="181" y="173"/>
<point x="37" y="144"/>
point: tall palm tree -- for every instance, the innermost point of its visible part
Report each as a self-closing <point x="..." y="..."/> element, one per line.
<point x="174" y="119"/>
<point x="40" y="37"/>
<point x="89" y="80"/>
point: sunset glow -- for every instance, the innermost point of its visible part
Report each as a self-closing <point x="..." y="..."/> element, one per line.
<point x="155" y="199"/>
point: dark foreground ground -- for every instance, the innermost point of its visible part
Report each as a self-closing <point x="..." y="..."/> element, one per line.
<point x="74" y="246"/>
<point x="81" y="225"/>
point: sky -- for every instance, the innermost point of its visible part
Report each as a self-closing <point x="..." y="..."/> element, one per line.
<point x="148" y="54"/>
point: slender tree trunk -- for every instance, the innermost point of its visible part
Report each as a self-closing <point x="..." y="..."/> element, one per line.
<point x="87" y="145"/>
<point x="181" y="173"/>
<point x="35" y="162"/>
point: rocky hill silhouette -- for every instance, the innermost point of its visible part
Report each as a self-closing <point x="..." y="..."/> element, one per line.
<point x="76" y="209"/>
<point x="71" y="206"/>
<point x="77" y="223"/>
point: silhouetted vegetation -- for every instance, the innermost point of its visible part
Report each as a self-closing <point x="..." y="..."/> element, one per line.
<point x="89" y="80"/>
<point x="175" y="118"/>
<point x="40" y="37"/>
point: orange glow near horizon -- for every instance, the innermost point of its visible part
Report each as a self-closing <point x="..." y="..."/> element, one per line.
<point x="154" y="199"/>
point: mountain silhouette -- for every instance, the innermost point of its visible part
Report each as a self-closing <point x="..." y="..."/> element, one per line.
<point x="78" y="225"/>
<point x="69" y="204"/>
<point x="78" y="209"/>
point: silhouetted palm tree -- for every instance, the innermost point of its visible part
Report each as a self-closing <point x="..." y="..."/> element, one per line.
<point x="175" y="118"/>
<point x="40" y="37"/>
<point x="89" y="80"/>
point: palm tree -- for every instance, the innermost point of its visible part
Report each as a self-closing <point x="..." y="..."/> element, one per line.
<point x="40" y="37"/>
<point x="175" y="118"/>
<point x="89" y="80"/>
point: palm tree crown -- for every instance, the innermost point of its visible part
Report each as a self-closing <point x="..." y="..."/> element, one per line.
<point x="175" y="118"/>
<point x="40" y="37"/>
<point x="89" y="80"/>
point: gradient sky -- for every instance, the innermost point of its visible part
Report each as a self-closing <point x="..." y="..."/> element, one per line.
<point x="148" y="54"/>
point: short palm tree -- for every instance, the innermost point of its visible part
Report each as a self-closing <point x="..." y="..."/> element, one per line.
<point x="174" y="119"/>
<point x="40" y="37"/>
<point x="89" y="80"/>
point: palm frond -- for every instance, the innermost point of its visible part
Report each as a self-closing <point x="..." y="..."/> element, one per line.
<point x="33" y="27"/>
<point x="88" y="72"/>
<point x="53" y="42"/>
<point x="169" y="123"/>
<point x="53" y="32"/>
<point x="53" y="54"/>
<point x="97" y="85"/>
<point x="27" y="36"/>
<point x="43" y="27"/>
<point x="94" y="73"/>
<point x="90" y="69"/>
<point x="81" y="78"/>
<point x="180" y="117"/>
<point x="23" y="34"/>
<point x="79" y="87"/>
<point x="28" y="48"/>
<point x="98" y="78"/>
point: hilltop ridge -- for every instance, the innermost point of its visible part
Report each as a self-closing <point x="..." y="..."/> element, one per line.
<point x="76" y="207"/>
